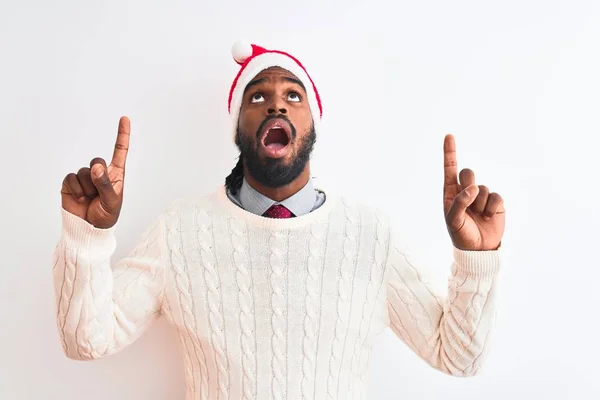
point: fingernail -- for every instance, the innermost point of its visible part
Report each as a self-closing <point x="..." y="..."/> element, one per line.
<point x="470" y="191"/>
<point x="98" y="171"/>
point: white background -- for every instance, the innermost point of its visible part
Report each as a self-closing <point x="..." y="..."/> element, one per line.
<point x="517" y="82"/>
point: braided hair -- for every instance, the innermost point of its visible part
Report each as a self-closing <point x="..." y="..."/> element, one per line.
<point x="233" y="182"/>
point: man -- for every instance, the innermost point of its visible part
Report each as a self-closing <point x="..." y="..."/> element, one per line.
<point x="276" y="288"/>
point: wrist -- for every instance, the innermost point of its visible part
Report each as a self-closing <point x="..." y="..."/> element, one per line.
<point x="78" y="233"/>
<point x="483" y="247"/>
<point x="477" y="264"/>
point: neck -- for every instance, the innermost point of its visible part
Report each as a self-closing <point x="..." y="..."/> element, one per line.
<point x="283" y="192"/>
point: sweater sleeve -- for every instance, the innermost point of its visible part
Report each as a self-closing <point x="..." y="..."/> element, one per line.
<point x="450" y="331"/>
<point x="102" y="309"/>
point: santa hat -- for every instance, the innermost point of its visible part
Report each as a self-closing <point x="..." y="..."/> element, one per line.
<point x="253" y="59"/>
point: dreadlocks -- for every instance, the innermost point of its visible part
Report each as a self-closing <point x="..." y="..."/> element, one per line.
<point x="233" y="182"/>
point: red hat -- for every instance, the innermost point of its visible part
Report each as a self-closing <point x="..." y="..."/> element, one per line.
<point x="254" y="59"/>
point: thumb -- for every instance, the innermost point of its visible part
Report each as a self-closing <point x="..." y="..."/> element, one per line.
<point x="106" y="192"/>
<point x="462" y="201"/>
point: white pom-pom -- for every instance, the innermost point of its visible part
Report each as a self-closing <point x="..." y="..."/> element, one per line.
<point x="241" y="51"/>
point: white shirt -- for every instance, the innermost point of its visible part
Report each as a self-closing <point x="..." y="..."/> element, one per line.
<point x="302" y="202"/>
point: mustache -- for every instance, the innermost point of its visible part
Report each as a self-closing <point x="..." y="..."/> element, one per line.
<point x="275" y="116"/>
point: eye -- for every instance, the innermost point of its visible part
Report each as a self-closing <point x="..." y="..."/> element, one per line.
<point x="257" y="98"/>
<point x="294" y="97"/>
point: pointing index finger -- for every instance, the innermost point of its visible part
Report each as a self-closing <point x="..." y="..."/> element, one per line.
<point x="450" y="164"/>
<point x="122" y="143"/>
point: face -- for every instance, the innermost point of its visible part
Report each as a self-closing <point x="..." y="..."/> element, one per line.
<point x="275" y="133"/>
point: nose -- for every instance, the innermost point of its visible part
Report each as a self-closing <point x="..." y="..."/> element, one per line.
<point x="279" y="110"/>
<point x="278" y="106"/>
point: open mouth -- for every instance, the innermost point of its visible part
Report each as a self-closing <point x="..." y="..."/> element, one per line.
<point x="276" y="138"/>
<point x="276" y="135"/>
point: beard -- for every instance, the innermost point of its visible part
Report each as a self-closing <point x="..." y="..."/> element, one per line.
<point x="275" y="172"/>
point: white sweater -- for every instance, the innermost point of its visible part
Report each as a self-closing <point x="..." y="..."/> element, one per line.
<point x="266" y="308"/>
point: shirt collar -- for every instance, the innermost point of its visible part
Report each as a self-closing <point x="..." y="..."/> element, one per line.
<point x="300" y="203"/>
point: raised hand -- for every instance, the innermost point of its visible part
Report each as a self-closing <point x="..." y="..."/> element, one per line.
<point x="474" y="216"/>
<point x="95" y="193"/>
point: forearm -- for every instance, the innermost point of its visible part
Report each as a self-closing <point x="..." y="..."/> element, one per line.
<point x="83" y="288"/>
<point x="450" y="332"/>
<point x="469" y="312"/>
<point x="93" y="317"/>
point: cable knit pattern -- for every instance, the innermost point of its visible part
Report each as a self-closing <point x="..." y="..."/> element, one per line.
<point x="213" y="299"/>
<point x="271" y="308"/>
<point x="92" y="318"/>
<point x="64" y="295"/>
<point x="372" y="292"/>
<point x="314" y="278"/>
<point x="203" y="242"/>
<point x="278" y="318"/>
<point x="432" y="329"/>
<point x="182" y="289"/>
<point x="246" y="301"/>
<point x="345" y="289"/>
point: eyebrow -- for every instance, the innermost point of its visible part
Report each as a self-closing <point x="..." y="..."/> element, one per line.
<point x="294" y="80"/>
<point x="254" y="83"/>
<point x="285" y="78"/>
